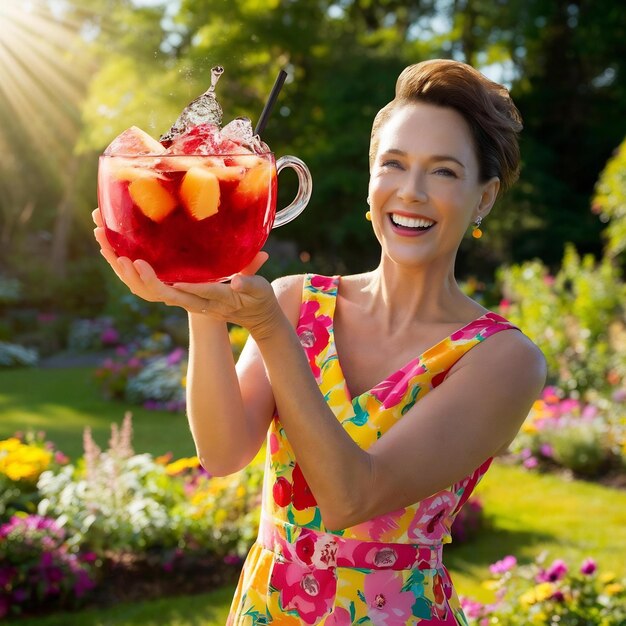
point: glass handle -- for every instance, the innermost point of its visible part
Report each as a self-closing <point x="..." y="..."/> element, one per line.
<point x="305" y="187"/>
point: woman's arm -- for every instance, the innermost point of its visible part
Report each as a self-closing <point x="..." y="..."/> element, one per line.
<point x="229" y="412"/>
<point x="443" y="438"/>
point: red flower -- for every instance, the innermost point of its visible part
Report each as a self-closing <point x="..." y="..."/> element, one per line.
<point x="313" y="332"/>
<point x="302" y="496"/>
<point x="282" y="491"/>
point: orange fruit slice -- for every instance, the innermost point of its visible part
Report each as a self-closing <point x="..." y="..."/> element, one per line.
<point x="255" y="182"/>
<point x="200" y="193"/>
<point x="153" y="200"/>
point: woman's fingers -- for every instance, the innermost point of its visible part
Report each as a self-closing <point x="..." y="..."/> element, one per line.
<point x="96" y="215"/>
<point x="256" y="263"/>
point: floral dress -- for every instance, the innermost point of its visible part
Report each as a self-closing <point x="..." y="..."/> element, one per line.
<point x="386" y="571"/>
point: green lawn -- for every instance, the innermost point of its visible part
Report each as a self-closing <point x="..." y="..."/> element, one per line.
<point x="62" y="402"/>
<point x="529" y="513"/>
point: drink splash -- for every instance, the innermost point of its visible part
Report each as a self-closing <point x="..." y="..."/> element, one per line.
<point x="205" y="109"/>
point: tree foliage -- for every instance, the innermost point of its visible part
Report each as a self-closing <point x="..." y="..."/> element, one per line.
<point x="563" y="60"/>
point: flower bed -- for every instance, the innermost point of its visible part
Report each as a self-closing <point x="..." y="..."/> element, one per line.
<point x="588" y="438"/>
<point x="63" y="525"/>
<point x="117" y="525"/>
<point x="540" y="594"/>
<point x="151" y="372"/>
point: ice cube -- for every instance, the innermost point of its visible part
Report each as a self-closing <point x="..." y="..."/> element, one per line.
<point x="240" y="131"/>
<point x="203" y="110"/>
<point x="134" y="141"/>
<point x="200" y="139"/>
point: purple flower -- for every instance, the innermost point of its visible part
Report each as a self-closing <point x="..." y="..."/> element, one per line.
<point x="554" y="573"/>
<point x="504" y="565"/>
<point x="546" y="450"/>
<point x="6" y="575"/>
<point x="588" y="567"/>
<point x="531" y="463"/>
<point x="619" y="395"/>
<point x="5" y="605"/>
<point x="175" y="357"/>
<point x="558" y="596"/>
<point x="109" y="336"/>
<point x="232" y="559"/>
<point x="83" y="584"/>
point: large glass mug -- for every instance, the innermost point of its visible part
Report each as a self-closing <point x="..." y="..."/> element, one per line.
<point x="195" y="218"/>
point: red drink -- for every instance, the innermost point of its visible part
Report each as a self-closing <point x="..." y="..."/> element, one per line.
<point x="193" y="218"/>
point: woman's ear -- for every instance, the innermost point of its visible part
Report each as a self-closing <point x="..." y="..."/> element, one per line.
<point x="488" y="196"/>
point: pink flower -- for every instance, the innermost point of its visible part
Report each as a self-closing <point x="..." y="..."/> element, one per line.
<point x="61" y="458"/>
<point x="484" y="326"/>
<point x="323" y="283"/>
<point x="175" y="357"/>
<point x="313" y="332"/>
<point x="504" y="565"/>
<point x="339" y="617"/>
<point x="588" y="567"/>
<point x="429" y="523"/>
<point x="377" y="527"/>
<point x="619" y="395"/>
<point x="531" y="463"/>
<point x="387" y="604"/>
<point x="546" y="450"/>
<point x="391" y="390"/>
<point x="109" y="337"/>
<point x="471" y="608"/>
<point x="307" y="590"/>
<point x="554" y="573"/>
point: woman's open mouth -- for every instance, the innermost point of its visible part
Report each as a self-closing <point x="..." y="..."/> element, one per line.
<point x="410" y="225"/>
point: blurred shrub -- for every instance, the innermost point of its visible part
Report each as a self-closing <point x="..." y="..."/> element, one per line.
<point x="577" y="318"/>
<point x="588" y="438"/>
<point x="610" y="201"/>
<point x="14" y="355"/>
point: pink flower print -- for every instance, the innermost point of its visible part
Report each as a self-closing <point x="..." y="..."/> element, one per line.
<point x="308" y="591"/>
<point x="339" y="617"/>
<point x="387" y="604"/>
<point x="323" y="283"/>
<point x="485" y="325"/>
<point x="313" y="332"/>
<point x="378" y="527"/>
<point x="429" y="523"/>
<point x="391" y="390"/>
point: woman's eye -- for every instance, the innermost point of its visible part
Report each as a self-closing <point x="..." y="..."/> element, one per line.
<point x="444" y="171"/>
<point x="391" y="163"/>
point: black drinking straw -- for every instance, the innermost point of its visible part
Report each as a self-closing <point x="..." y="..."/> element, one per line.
<point x="269" y="105"/>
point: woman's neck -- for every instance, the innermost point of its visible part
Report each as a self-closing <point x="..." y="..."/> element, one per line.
<point x="428" y="295"/>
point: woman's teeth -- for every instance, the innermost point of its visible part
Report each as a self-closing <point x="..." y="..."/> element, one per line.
<point x="411" y="222"/>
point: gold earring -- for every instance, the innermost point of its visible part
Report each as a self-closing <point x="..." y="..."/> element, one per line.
<point x="476" y="232"/>
<point x="368" y="216"/>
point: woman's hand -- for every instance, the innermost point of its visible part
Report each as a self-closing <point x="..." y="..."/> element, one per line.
<point x="248" y="300"/>
<point x="233" y="303"/>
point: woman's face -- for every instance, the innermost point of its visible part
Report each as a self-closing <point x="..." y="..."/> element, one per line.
<point x="424" y="189"/>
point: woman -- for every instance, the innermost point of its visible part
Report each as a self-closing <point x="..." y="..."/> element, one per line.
<point x="378" y="429"/>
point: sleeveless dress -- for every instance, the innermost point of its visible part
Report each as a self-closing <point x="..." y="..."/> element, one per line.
<point x="386" y="571"/>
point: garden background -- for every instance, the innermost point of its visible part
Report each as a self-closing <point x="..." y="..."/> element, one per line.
<point x="105" y="523"/>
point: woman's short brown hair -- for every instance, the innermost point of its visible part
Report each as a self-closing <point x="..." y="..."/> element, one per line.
<point x="485" y="105"/>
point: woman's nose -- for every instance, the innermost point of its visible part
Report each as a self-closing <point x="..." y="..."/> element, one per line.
<point x="413" y="188"/>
